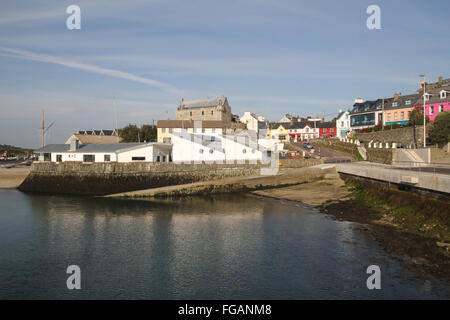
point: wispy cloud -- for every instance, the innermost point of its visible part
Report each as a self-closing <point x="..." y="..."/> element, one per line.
<point x="28" y="55"/>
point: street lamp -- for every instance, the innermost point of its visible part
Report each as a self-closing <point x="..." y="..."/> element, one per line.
<point x="424" y="116"/>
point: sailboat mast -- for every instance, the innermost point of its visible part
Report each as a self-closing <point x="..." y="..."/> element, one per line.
<point x="43" y="129"/>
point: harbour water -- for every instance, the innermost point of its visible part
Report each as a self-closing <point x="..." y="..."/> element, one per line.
<point x="222" y="247"/>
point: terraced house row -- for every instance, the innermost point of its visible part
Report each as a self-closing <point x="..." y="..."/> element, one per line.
<point x="397" y="109"/>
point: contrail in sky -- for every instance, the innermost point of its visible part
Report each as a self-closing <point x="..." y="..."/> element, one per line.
<point x="28" y="55"/>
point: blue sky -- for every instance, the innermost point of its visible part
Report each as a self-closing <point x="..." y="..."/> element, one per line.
<point x="268" y="56"/>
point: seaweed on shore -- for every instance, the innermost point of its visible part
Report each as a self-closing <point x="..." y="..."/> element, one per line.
<point x="411" y="227"/>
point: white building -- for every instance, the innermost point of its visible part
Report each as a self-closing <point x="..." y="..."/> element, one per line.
<point x="222" y="148"/>
<point x="251" y="120"/>
<point x="255" y="123"/>
<point x="117" y="152"/>
<point x="304" y="131"/>
<point x="343" y="124"/>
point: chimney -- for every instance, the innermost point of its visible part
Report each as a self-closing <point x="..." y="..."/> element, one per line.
<point x="395" y="96"/>
<point x="441" y="80"/>
<point x="422" y="84"/>
<point x="359" y="100"/>
<point x="74" y="144"/>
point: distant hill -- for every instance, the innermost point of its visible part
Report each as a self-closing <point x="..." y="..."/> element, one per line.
<point x="14" y="150"/>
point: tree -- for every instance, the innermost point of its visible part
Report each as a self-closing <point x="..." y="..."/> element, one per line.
<point x="440" y="131"/>
<point x="416" y="117"/>
<point x="148" y="133"/>
<point x="132" y="133"/>
<point x="129" y="133"/>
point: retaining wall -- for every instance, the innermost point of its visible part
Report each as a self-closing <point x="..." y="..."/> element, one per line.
<point x="404" y="136"/>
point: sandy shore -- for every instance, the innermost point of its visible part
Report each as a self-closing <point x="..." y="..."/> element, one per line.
<point x="13" y="177"/>
<point x="284" y="178"/>
<point x="315" y="193"/>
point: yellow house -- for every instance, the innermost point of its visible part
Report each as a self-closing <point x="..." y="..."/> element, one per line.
<point x="278" y="131"/>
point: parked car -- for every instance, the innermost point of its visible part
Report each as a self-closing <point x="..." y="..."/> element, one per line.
<point x="308" y="145"/>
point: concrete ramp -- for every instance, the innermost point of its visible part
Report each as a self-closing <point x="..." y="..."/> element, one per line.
<point x="362" y="151"/>
<point x="412" y="157"/>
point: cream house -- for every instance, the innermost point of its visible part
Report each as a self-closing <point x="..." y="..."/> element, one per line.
<point x="166" y="128"/>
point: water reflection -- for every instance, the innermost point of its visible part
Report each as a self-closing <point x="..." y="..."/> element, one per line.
<point x="198" y="248"/>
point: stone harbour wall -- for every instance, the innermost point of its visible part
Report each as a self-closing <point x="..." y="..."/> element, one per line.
<point x="108" y="178"/>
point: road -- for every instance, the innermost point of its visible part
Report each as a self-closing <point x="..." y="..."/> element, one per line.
<point x="328" y="155"/>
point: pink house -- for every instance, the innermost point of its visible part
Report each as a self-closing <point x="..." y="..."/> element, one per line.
<point x="436" y="101"/>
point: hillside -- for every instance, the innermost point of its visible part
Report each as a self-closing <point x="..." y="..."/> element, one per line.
<point x="14" y="150"/>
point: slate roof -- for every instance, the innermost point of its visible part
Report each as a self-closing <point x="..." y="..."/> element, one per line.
<point x="435" y="92"/>
<point x="203" y="103"/>
<point x="401" y="102"/>
<point x="302" y="124"/>
<point x="84" y="148"/>
<point x="95" y="139"/>
<point x="262" y="125"/>
<point x="368" y="106"/>
<point x="329" y="124"/>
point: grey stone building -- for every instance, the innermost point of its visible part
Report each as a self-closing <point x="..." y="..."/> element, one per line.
<point x="216" y="109"/>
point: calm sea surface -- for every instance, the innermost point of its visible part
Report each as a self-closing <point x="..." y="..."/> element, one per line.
<point x="224" y="247"/>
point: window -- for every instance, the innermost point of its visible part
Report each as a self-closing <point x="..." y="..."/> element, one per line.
<point x="244" y="151"/>
<point x="342" y="123"/>
<point x="88" y="158"/>
<point x="427" y="96"/>
<point x="212" y="112"/>
<point x="441" y="108"/>
<point x="107" y="158"/>
<point x="211" y="150"/>
<point x="395" y="115"/>
<point x="331" y="130"/>
<point x="409" y="114"/>
<point x="170" y="130"/>
<point x="203" y="130"/>
<point x="213" y="130"/>
<point x="203" y="113"/>
<point x="389" y="117"/>
<point x="163" y="130"/>
<point x="443" y="94"/>
<point x="158" y="159"/>
<point x="137" y="158"/>
<point x="402" y="115"/>
<point x="166" y="140"/>
<point x="59" y="158"/>
<point x="431" y="110"/>
<point x="395" y="104"/>
<point x="201" y="150"/>
<point x="190" y="113"/>
<point x="164" y="159"/>
<point x="407" y="102"/>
